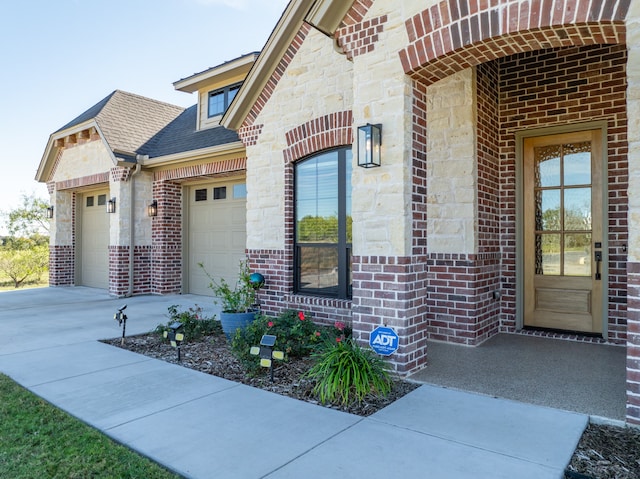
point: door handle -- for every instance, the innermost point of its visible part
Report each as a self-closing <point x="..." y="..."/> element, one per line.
<point x="598" y="258"/>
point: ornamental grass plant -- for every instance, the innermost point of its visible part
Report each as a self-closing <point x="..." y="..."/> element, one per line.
<point x="345" y="373"/>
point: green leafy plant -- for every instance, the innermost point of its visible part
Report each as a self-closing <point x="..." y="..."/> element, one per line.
<point x="297" y="336"/>
<point x="344" y="372"/>
<point x="195" y="324"/>
<point x="238" y="299"/>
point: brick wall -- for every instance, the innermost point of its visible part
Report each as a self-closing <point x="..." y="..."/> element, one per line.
<point x="166" y="239"/>
<point x="277" y="294"/>
<point x="389" y="291"/>
<point x="118" y="270"/>
<point x="460" y="301"/>
<point x="560" y="87"/>
<point x="61" y="265"/>
<point x="142" y="270"/>
<point x="360" y="38"/>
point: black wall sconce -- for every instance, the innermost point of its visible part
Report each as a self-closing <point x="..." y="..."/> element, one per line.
<point x="50" y="212"/>
<point x="111" y="205"/>
<point x="369" y="143"/>
<point x="152" y="209"/>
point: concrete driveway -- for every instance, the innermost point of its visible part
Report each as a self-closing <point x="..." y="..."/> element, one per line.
<point x="202" y="426"/>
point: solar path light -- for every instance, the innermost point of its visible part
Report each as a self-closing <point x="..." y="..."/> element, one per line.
<point x="175" y="335"/>
<point x="266" y="352"/>
<point x="122" y="321"/>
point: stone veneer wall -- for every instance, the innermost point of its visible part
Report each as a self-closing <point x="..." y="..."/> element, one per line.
<point x="633" y="216"/>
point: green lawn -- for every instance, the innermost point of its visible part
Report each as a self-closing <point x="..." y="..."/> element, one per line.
<point x="40" y="441"/>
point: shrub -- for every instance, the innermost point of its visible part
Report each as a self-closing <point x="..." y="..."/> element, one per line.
<point x="195" y="324"/>
<point x="297" y="336"/>
<point x="240" y="298"/>
<point x="344" y="372"/>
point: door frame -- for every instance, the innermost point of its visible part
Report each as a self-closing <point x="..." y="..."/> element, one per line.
<point x="548" y="131"/>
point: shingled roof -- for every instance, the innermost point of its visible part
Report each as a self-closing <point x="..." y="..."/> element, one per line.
<point x="128" y="121"/>
<point x="181" y="135"/>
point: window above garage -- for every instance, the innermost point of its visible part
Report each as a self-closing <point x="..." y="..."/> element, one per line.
<point x="219" y="100"/>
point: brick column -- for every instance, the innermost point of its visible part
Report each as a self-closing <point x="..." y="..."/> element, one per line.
<point x="166" y="239"/>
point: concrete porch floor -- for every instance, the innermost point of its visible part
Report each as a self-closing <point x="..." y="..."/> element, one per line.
<point x="574" y="376"/>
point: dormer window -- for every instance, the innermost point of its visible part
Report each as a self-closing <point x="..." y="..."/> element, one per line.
<point x="219" y="100"/>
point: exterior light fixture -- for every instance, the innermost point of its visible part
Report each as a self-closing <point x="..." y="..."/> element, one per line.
<point x="152" y="209"/>
<point x="50" y="212"/>
<point x="266" y="353"/>
<point x="175" y="335"/>
<point x="122" y="321"/>
<point x="111" y="205"/>
<point x="369" y="143"/>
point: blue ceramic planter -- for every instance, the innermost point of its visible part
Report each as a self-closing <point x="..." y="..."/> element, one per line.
<point x="234" y="321"/>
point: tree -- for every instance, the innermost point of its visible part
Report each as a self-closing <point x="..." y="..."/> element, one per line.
<point x="29" y="218"/>
<point x="24" y="254"/>
<point x="21" y="264"/>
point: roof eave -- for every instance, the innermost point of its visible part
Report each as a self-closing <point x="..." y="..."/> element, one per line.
<point x="200" y="80"/>
<point x="194" y="155"/>
<point x="278" y="42"/>
<point x="325" y="15"/>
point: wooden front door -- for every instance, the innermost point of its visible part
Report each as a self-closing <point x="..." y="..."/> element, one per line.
<point x="563" y="237"/>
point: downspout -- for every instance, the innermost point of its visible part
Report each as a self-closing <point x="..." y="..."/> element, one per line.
<point x="132" y="216"/>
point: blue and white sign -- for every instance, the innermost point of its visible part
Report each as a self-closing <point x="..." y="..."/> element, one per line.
<point x="384" y="341"/>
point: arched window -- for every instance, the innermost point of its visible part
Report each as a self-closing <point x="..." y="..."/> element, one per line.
<point x="323" y="224"/>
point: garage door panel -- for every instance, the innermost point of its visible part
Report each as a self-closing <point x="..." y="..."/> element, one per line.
<point x="94" y="242"/>
<point x="217" y="238"/>
<point x="238" y="239"/>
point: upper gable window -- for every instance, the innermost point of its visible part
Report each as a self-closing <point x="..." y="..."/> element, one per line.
<point x="219" y="100"/>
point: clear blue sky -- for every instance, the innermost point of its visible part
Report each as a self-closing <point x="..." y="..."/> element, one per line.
<point x="60" y="57"/>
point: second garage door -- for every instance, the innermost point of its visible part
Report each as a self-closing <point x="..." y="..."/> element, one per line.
<point x="216" y="233"/>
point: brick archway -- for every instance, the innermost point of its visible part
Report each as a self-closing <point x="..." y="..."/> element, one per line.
<point x="452" y="36"/>
<point x="328" y="131"/>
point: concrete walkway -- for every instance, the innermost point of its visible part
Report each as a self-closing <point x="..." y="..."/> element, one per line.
<point x="574" y="376"/>
<point x="202" y="426"/>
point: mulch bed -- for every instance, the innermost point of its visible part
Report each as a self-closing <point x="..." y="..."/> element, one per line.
<point x="604" y="452"/>
<point x="212" y="355"/>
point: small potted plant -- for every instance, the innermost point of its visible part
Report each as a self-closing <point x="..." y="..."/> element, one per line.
<point x="239" y="305"/>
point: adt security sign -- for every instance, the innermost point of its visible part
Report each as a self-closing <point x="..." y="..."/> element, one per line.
<point x="384" y="341"/>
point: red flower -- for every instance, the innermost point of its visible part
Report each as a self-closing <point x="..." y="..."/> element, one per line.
<point x="270" y="324"/>
<point x="339" y="326"/>
<point x="317" y="333"/>
<point x="301" y="315"/>
<point x="339" y="339"/>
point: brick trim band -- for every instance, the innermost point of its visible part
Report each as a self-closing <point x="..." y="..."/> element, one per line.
<point x="277" y="74"/>
<point x="328" y="131"/>
<point x="452" y="36"/>
<point x="208" y="169"/>
<point x="90" y="180"/>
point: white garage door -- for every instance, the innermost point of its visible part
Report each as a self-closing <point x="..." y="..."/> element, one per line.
<point x="94" y="240"/>
<point x="216" y="233"/>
